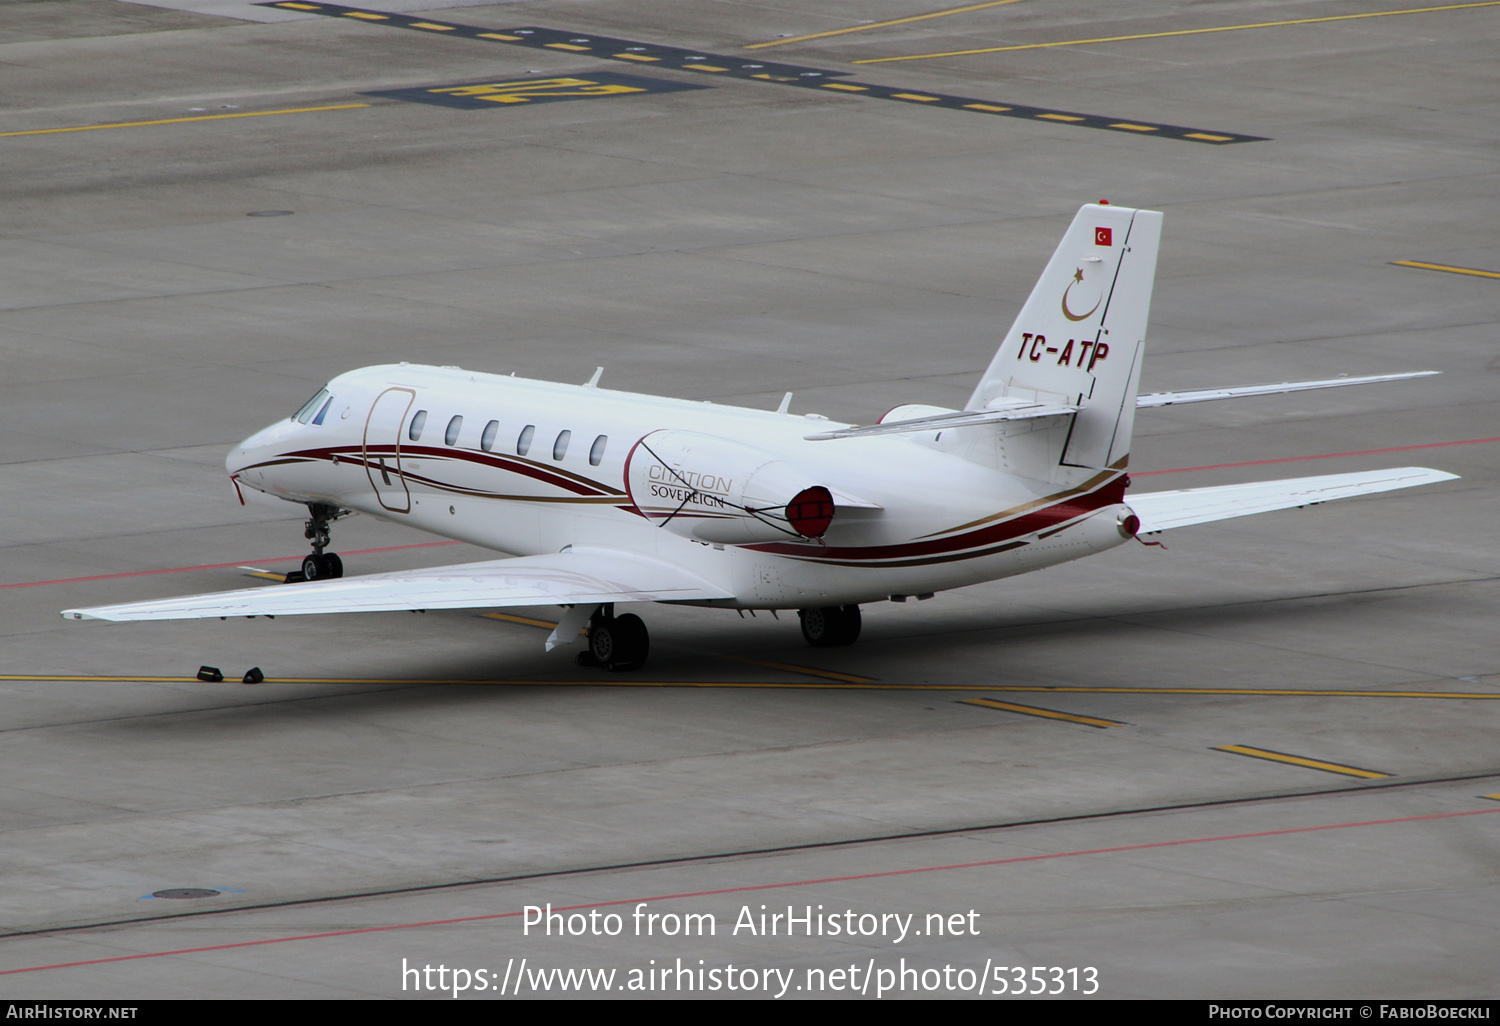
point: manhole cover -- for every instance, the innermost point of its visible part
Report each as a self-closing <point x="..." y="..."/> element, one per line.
<point x="185" y="892"/>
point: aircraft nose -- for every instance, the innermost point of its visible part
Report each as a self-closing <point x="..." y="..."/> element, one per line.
<point x="252" y="449"/>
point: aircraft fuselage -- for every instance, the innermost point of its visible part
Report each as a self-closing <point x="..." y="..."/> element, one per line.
<point x="528" y="467"/>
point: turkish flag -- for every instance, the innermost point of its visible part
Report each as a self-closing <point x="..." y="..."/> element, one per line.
<point x="1103" y="236"/>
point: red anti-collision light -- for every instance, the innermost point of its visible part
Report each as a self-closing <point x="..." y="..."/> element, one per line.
<point x="811" y="511"/>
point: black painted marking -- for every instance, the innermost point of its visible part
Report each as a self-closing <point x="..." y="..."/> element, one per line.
<point x="185" y="892"/>
<point x="708" y="64"/>
<point x="526" y="92"/>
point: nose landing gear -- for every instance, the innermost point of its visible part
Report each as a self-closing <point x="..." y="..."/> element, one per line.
<point x="320" y="565"/>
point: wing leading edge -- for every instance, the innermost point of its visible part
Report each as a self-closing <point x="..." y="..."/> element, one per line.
<point x="1162" y="511"/>
<point x="577" y="576"/>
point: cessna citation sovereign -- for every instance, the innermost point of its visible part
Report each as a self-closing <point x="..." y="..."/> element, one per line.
<point x="604" y="498"/>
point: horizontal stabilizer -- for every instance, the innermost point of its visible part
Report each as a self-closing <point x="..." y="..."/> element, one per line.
<point x="1019" y="409"/>
<point x="561" y="578"/>
<point x="1240" y="391"/>
<point x="1162" y="511"/>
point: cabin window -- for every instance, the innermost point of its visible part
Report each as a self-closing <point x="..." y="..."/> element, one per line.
<point x="596" y="451"/>
<point x="323" y="412"/>
<point x="454" y="427"/>
<point x="560" y="447"/>
<point x="303" y="415"/>
<point x="487" y="440"/>
<point x="417" y="423"/>
<point x="523" y="444"/>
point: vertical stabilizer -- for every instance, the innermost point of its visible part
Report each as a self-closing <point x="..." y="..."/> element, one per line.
<point x="1079" y="339"/>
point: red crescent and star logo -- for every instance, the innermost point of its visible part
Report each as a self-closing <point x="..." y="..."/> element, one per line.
<point x="1078" y="280"/>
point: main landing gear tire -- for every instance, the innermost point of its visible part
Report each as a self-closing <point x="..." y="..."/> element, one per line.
<point x="322" y="568"/>
<point x="618" y="643"/>
<point x="830" y="625"/>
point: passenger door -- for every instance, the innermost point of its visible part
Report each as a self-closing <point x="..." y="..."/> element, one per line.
<point x="382" y="447"/>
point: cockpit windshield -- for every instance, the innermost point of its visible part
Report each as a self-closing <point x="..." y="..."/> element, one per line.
<point x="318" y="405"/>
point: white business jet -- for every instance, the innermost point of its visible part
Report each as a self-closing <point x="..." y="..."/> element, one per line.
<point x="603" y="498"/>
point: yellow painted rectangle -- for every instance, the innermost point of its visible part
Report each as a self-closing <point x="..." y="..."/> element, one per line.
<point x="636" y="57"/>
<point x="1298" y="760"/>
<point x="846" y="88"/>
<point x="1446" y="267"/>
<point x="434" y="26"/>
<point x="985" y="106"/>
<point x="499" y="35"/>
<point x="1133" y="128"/>
<point x="1491" y="797"/>
<point x="269" y="576"/>
<point x="1208" y="137"/>
<point x="1060" y="117"/>
<point x="703" y="67"/>
<point x="367" y="15"/>
<point x="774" y="78"/>
<point x="300" y="7"/>
<point x="916" y="96"/>
<point x="1046" y="714"/>
<point x="565" y="46"/>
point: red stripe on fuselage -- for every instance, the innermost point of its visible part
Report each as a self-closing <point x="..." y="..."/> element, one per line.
<point x="560" y="479"/>
<point x="935" y="550"/>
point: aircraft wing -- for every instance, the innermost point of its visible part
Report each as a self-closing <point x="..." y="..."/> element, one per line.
<point x="1161" y="511"/>
<point x="576" y="577"/>
<point x="1203" y="395"/>
<point x="1000" y="410"/>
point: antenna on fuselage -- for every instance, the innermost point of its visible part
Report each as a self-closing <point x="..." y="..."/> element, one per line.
<point x="593" y="382"/>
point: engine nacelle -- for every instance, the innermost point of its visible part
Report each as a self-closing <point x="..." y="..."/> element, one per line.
<point x="715" y="490"/>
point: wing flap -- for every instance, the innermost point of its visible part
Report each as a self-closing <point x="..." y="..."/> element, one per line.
<point x="1162" y="511"/>
<point x="563" y="578"/>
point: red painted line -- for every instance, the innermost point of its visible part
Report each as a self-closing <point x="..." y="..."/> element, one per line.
<point x="1320" y="456"/>
<point x="751" y="887"/>
<point x="216" y="566"/>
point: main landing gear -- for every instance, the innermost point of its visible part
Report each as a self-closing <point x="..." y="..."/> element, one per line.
<point x="617" y="643"/>
<point x="320" y="565"/>
<point x="830" y="625"/>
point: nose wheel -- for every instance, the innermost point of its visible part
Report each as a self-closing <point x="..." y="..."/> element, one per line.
<point x="322" y="566"/>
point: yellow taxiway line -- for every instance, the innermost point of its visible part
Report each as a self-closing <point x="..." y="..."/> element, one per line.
<point x="201" y="117"/>
<point x="882" y="24"/>
<point x="847" y="678"/>
<point x="1300" y="760"/>
<point x="1046" y="714"/>
<point x="1180" y="32"/>
<point x="1446" y="267"/>
<point x="527" y="620"/>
